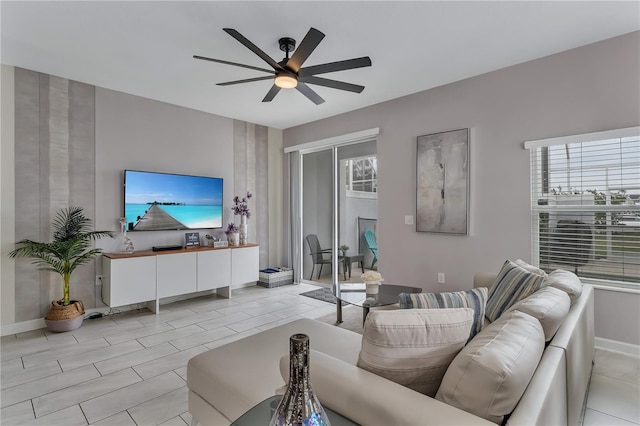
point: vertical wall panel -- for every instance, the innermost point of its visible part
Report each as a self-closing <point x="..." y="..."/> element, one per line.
<point x="251" y="174"/>
<point x="55" y="162"/>
<point x="27" y="189"/>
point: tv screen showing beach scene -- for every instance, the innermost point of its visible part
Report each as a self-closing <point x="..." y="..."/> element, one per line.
<point x="162" y="201"/>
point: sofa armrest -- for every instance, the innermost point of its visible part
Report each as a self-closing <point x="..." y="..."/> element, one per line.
<point x="484" y="279"/>
<point x="369" y="399"/>
<point x="576" y="336"/>
<point x="545" y="400"/>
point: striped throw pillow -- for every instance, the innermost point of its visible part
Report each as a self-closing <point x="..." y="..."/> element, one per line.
<point x="512" y="284"/>
<point x="475" y="299"/>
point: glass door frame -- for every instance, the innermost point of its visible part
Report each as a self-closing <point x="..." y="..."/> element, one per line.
<point x="333" y="143"/>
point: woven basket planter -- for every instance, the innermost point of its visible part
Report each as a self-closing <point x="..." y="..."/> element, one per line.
<point x="62" y="318"/>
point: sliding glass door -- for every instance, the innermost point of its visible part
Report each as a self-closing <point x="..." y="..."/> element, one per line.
<point x="338" y="187"/>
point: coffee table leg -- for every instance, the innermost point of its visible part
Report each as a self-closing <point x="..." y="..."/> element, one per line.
<point x="338" y="311"/>
<point x="365" y="312"/>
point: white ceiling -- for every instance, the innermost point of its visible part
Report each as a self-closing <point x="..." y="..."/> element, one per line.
<point x="146" y="48"/>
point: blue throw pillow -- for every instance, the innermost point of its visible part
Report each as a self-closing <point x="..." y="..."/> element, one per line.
<point x="475" y="299"/>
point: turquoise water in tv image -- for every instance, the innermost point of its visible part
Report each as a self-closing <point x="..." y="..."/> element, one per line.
<point x="191" y="216"/>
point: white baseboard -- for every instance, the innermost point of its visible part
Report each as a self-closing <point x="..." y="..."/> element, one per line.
<point x="21" y="327"/>
<point x="615" y="346"/>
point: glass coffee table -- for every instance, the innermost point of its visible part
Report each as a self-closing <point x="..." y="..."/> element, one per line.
<point x="355" y="294"/>
<point x="262" y="413"/>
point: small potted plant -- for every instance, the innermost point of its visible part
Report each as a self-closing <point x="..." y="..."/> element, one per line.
<point x="233" y="234"/>
<point x="372" y="280"/>
<point x="70" y="248"/>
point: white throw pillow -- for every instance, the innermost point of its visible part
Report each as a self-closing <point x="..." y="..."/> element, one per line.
<point x="566" y="281"/>
<point x="548" y="305"/>
<point x="489" y="375"/>
<point x="413" y="347"/>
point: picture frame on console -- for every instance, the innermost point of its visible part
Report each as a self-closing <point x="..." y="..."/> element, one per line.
<point x="442" y="182"/>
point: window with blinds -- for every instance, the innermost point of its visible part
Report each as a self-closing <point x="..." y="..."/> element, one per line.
<point x="585" y="205"/>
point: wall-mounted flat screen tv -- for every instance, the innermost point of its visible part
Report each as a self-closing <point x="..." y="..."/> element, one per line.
<point x="163" y="201"/>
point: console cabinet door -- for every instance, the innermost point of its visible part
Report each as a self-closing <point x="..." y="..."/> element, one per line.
<point x="128" y="281"/>
<point x="214" y="269"/>
<point x="244" y="265"/>
<point x="176" y="274"/>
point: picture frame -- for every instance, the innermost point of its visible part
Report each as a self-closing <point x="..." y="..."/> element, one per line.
<point x="191" y="239"/>
<point x="442" y="182"/>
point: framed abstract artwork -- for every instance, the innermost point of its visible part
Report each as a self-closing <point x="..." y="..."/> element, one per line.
<point x="442" y="182"/>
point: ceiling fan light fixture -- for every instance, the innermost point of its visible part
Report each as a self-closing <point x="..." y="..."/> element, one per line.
<point x="286" y="81"/>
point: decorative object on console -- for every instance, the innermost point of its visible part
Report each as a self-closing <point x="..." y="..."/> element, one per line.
<point x="372" y="281"/>
<point x="299" y="405"/>
<point x="70" y="248"/>
<point x="191" y="239"/>
<point x="442" y="182"/>
<point x="123" y="242"/>
<point x="241" y="207"/>
<point x="233" y="234"/>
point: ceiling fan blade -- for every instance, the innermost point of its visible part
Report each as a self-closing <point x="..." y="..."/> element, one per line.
<point x="271" y="93"/>
<point x="309" y="93"/>
<point x="255" y="49"/>
<point x="220" y="61"/>
<point x="306" y="47"/>
<point x="246" y="80"/>
<point x="334" y="84"/>
<point x="349" y="64"/>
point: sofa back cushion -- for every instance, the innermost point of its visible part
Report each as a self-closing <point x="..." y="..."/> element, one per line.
<point x="548" y="305"/>
<point x="475" y="299"/>
<point x="513" y="284"/>
<point x="490" y="374"/>
<point x="566" y="281"/>
<point x="414" y="347"/>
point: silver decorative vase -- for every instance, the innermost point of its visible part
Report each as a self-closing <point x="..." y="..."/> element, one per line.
<point x="299" y="405"/>
<point x="244" y="232"/>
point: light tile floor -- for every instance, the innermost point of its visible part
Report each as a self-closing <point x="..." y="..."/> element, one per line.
<point x="130" y="368"/>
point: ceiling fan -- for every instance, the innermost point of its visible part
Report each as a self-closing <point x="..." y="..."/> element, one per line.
<point x="289" y="73"/>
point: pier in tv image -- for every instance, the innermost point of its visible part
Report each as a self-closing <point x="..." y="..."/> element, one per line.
<point x="162" y="201"/>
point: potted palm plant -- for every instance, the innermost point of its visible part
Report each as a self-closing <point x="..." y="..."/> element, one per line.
<point x="70" y="248"/>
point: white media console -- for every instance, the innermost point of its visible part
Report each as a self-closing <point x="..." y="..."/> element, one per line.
<point x="147" y="276"/>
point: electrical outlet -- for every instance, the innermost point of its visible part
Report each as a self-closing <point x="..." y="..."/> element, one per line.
<point x="98" y="280"/>
<point x="440" y="277"/>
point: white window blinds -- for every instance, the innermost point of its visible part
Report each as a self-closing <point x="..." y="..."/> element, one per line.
<point x="585" y="205"/>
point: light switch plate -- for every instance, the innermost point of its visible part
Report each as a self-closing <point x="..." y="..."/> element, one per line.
<point x="408" y="220"/>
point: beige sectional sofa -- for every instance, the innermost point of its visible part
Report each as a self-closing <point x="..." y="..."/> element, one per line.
<point x="227" y="381"/>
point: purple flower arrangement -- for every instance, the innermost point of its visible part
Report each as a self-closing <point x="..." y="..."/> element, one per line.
<point x="232" y="228"/>
<point x="240" y="206"/>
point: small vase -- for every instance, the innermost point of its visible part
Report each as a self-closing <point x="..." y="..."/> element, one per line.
<point x="372" y="288"/>
<point x="124" y="243"/>
<point x="244" y="236"/>
<point x="299" y="405"/>
<point x="233" y="238"/>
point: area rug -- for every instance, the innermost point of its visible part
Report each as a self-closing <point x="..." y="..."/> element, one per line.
<point x="322" y="293"/>
<point x="351" y="319"/>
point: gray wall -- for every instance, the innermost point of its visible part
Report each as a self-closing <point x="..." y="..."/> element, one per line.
<point x="70" y="146"/>
<point x="588" y="89"/>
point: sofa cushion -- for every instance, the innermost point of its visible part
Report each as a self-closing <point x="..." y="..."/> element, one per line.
<point x="490" y="374"/>
<point x="414" y="347"/>
<point x="475" y="299"/>
<point x="548" y="305"/>
<point x="512" y="284"/>
<point x="566" y="281"/>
